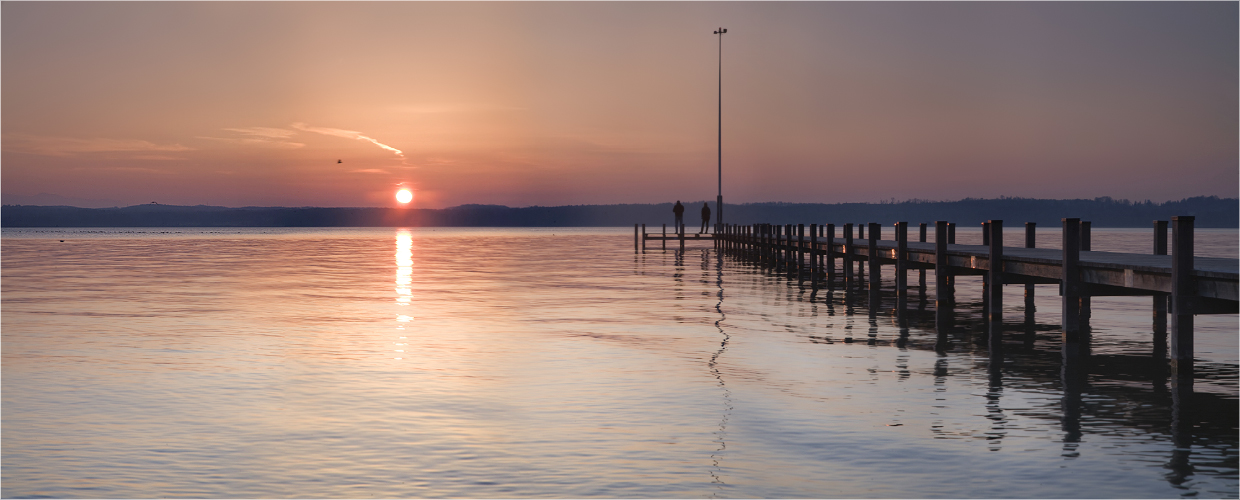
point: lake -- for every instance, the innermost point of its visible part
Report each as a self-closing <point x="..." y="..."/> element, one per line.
<point x="554" y="362"/>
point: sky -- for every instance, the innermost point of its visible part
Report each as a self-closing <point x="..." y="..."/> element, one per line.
<point x="566" y="103"/>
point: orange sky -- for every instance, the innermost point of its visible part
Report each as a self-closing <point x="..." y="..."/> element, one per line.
<point x="236" y="104"/>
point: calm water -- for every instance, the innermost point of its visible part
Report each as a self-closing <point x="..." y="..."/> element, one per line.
<point x="556" y="363"/>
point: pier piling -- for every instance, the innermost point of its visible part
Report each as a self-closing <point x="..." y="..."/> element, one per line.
<point x="995" y="273"/>
<point x="813" y="256"/>
<point x="1086" y="308"/>
<point x="1182" y="291"/>
<point x="848" y="255"/>
<point x="1160" y="299"/>
<point x="942" y="294"/>
<point x="901" y="271"/>
<point x="829" y="257"/>
<point x="1031" y="238"/>
<point x="872" y="260"/>
<point x="1070" y="287"/>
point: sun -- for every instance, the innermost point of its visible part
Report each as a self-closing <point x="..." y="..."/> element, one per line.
<point x="404" y="195"/>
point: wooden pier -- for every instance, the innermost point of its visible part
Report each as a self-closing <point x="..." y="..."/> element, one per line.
<point x="1181" y="284"/>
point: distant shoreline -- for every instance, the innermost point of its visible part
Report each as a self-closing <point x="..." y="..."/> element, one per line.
<point x="1210" y="211"/>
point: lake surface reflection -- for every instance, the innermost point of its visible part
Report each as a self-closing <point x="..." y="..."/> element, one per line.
<point x="556" y="363"/>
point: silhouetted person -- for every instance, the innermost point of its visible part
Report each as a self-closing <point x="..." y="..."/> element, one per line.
<point x="705" y="218"/>
<point x="679" y="210"/>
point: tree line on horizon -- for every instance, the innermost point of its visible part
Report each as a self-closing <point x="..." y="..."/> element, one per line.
<point x="1210" y="211"/>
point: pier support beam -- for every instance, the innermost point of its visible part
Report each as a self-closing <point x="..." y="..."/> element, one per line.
<point x="921" y="273"/>
<point x="861" y="263"/>
<point x="1182" y="292"/>
<point x="643" y="238"/>
<point x="901" y="272"/>
<point x="800" y="253"/>
<point x="829" y="256"/>
<point x="875" y="273"/>
<point x="942" y="294"/>
<point x="951" y="240"/>
<point x="986" y="277"/>
<point x="813" y="256"/>
<point x="848" y="255"/>
<point x="1031" y="240"/>
<point x="1160" y="299"/>
<point x="636" y="236"/>
<point x="1086" y="307"/>
<point x="995" y="275"/>
<point x="1070" y="283"/>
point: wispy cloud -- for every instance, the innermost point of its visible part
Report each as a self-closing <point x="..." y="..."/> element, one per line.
<point x="268" y="137"/>
<point x="369" y="171"/>
<point x="264" y="132"/>
<point x="67" y="146"/>
<point x="348" y="134"/>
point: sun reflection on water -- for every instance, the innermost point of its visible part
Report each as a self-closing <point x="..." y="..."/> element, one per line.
<point x="404" y="282"/>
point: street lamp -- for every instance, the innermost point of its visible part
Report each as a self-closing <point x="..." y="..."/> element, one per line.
<point x="719" y="199"/>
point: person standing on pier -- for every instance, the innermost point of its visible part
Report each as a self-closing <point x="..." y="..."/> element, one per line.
<point x="705" y="218"/>
<point x="679" y="210"/>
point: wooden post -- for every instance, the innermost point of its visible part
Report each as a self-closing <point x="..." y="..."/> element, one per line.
<point x="643" y="238"/>
<point x="986" y="278"/>
<point x="875" y="274"/>
<point x="821" y="256"/>
<point x="951" y="240"/>
<point x="800" y="253"/>
<point x="861" y="263"/>
<point x="790" y="253"/>
<point x="1086" y="309"/>
<point x="1183" y="289"/>
<point x="1070" y="283"/>
<point x="813" y="256"/>
<point x="901" y="270"/>
<point x="1031" y="237"/>
<point x="781" y="257"/>
<point x="995" y="228"/>
<point x="848" y="254"/>
<point x="1160" y="299"/>
<point x="682" y="238"/>
<point x="766" y="245"/>
<point x="664" y="240"/>
<point x="921" y="271"/>
<point x="1160" y="237"/>
<point x="636" y="244"/>
<point x="829" y="257"/>
<point x="942" y="300"/>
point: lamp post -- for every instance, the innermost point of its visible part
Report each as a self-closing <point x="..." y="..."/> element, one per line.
<point x="719" y="199"/>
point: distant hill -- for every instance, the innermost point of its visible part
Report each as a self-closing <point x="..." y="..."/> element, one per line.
<point x="1210" y="211"/>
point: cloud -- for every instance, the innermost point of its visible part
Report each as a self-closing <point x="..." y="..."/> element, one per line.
<point x="348" y="134"/>
<point x="369" y="171"/>
<point x="260" y="136"/>
<point x="264" y="132"/>
<point x="67" y="146"/>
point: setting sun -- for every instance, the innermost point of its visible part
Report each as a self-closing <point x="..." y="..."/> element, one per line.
<point x="404" y="196"/>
